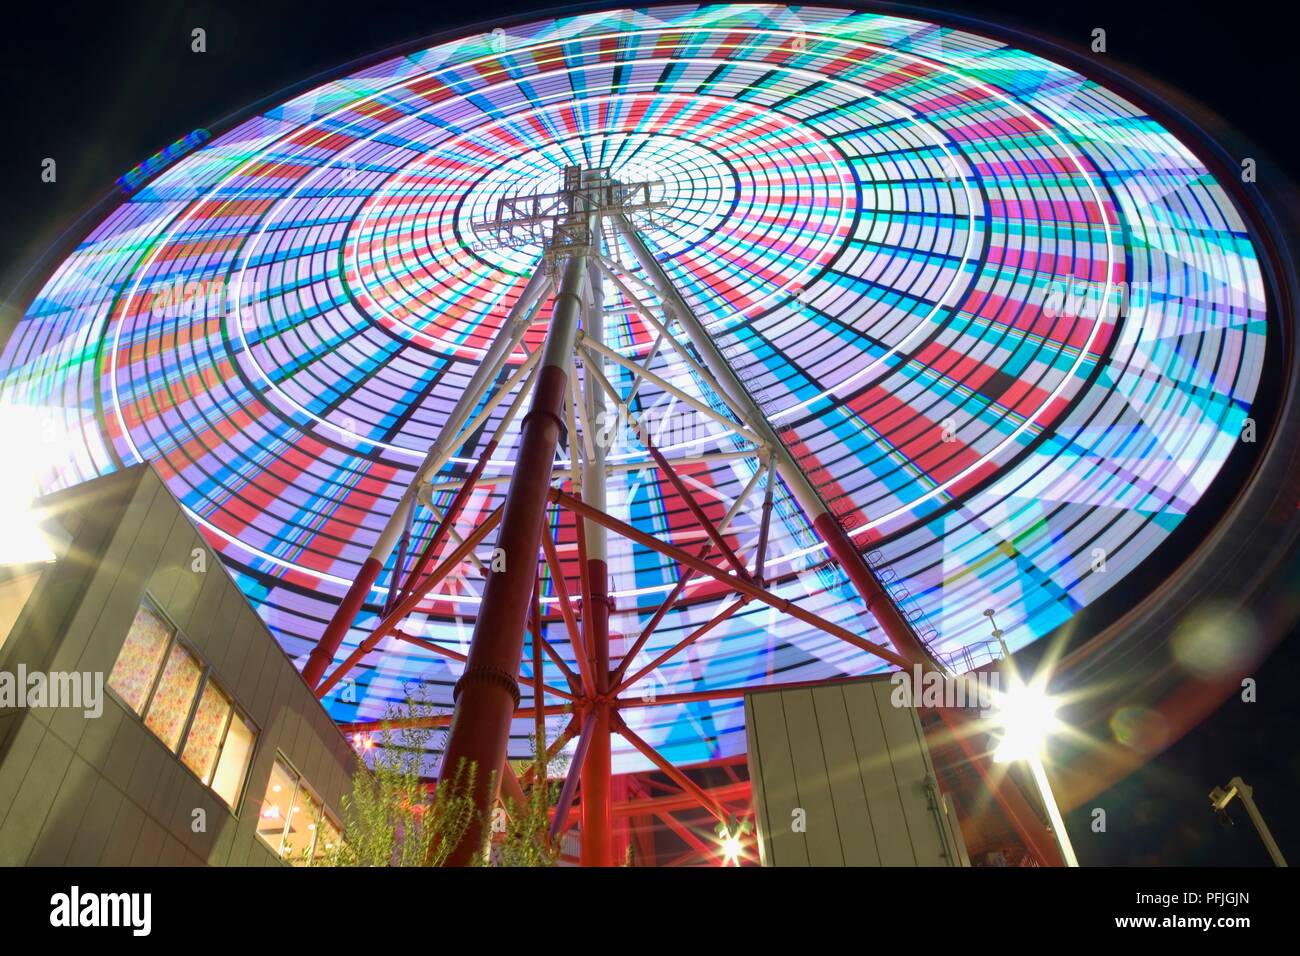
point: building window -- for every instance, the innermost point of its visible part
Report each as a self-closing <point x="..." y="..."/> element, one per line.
<point x="327" y="839"/>
<point x="206" y="729"/>
<point x="232" y="765"/>
<point x="293" y="821"/>
<point x="173" y="698"/>
<point x="300" y="834"/>
<point x="141" y="656"/>
<point x="173" y="689"/>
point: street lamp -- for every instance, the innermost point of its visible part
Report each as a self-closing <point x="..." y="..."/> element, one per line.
<point x="1025" y="716"/>
<point x="1220" y="798"/>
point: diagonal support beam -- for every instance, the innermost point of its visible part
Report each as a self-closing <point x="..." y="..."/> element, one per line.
<point x="447" y="652"/>
<point x="684" y="643"/>
<point x="408" y="604"/>
<point x="440" y="533"/>
<point x="671" y="389"/>
<point x="537" y="628"/>
<point x="566" y="611"/>
<point x="682" y="581"/>
<point x="507" y="338"/>
<point x="879" y="602"/>
<point x="611" y="468"/>
<point x="463" y="493"/>
<point x="666" y="334"/>
<point x="701" y="796"/>
<point x="571" y="730"/>
<point x="760" y="560"/>
<point x="687" y="836"/>
<point x="733" y="582"/>
<point x="823" y="521"/>
<point x="710" y="529"/>
<point x="570" y="788"/>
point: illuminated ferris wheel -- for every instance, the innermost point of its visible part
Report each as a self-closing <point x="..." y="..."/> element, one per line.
<point x="595" y="370"/>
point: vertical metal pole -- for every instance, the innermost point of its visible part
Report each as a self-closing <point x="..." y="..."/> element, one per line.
<point x="597" y="798"/>
<point x="1053" y="811"/>
<point x="507" y="338"/>
<point x="539" y="698"/>
<point x="1247" y="794"/>
<point x="487" y="693"/>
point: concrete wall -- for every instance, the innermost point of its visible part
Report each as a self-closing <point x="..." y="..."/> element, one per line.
<point x="855" y="770"/>
<point x="106" y="791"/>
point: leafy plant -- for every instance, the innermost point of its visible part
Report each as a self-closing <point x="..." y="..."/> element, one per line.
<point x="521" y="835"/>
<point x="393" y="818"/>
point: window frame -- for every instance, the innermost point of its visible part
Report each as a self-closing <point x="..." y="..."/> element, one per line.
<point x="242" y="793"/>
<point x="206" y="673"/>
<point x="178" y="641"/>
<point x="146" y="599"/>
<point x="300" y="783"/>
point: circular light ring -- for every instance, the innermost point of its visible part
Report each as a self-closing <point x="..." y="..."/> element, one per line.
<point x="1009" y="324"/>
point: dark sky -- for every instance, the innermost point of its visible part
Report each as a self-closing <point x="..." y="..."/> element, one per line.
<point x="100" y="86"/>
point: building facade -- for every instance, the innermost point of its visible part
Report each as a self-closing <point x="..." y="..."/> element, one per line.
<point x="842" y="776"/>
<point x="147" y="715"/>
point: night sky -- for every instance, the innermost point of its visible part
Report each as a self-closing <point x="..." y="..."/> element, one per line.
<point x="99" y="87"/>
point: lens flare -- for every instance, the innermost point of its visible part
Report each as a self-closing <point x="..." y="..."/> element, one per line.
<point x="1215" y="640"/>
<point x="1026" y="715"/>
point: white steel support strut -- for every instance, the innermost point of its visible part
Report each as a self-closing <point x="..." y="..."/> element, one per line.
<point x="596" y="848"/>
<point x="506" y="340"/>
<point x="594" y="419"/>
<point x="878" y="601"/>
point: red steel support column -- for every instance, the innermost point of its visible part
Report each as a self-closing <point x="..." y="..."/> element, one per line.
<point x="597" y="847"/>
<point x="597" y="797"/>
<point x="487" y="693"/>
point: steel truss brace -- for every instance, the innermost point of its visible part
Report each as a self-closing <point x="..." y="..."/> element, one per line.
<point x="487" y="696"/>
<point x="878" y="600"/>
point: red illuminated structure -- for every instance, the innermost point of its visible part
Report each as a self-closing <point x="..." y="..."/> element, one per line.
<point x="570" y="400"/>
